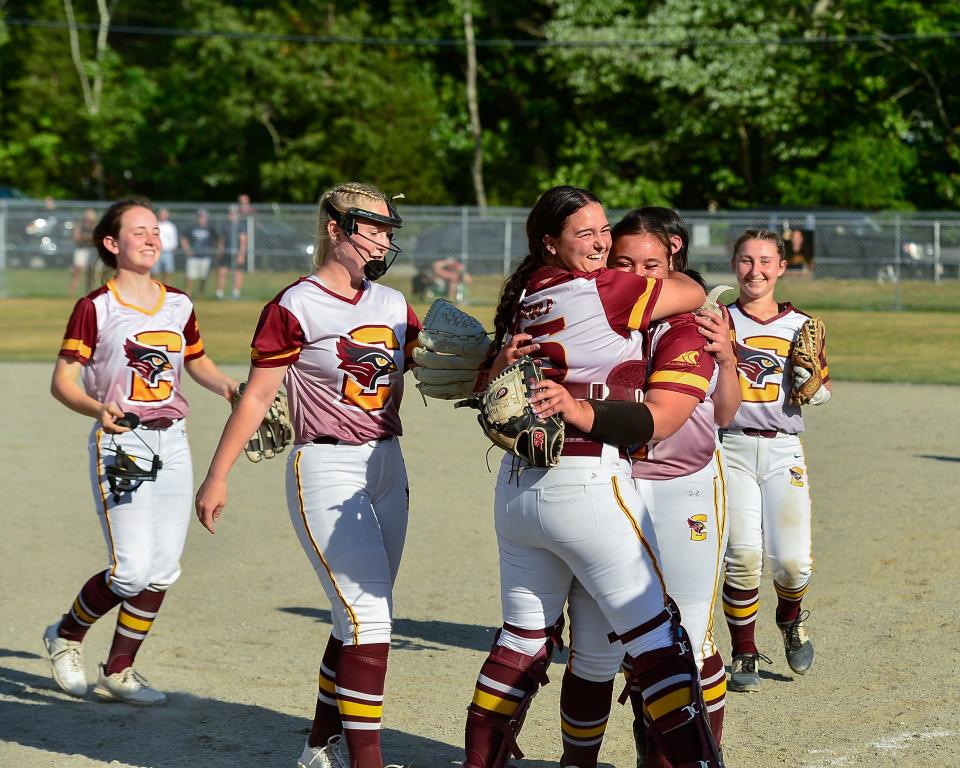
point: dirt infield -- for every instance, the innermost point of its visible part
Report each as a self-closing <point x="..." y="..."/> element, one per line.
<point x="239" y="640"/>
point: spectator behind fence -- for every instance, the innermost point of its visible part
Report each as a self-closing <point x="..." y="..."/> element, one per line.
<point x="84" y="257"/>
<point x="166" y="264"/>
<point x="451" y="278"/>
<point x="201" y="244"/>
<point x="235" y="258"/>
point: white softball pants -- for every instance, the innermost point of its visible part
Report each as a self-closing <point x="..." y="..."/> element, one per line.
<point x="689" y="517"/>
<point x="349" y="507"/>
<point x="579" y="523"/>
<point x="145" y="530"/>
<point x="769" y="503"/>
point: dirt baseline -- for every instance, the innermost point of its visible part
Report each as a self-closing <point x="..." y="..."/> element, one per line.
<point x="239" y="639"/>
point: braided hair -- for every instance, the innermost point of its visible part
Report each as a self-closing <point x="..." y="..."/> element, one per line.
<point x="341" y="197"/>
<point x="547" y="217"/>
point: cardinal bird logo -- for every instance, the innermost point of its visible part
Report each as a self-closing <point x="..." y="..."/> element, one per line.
<point x="755" y="366"/>
<point x="364" y="364"/>
<point x="149" y="363"/>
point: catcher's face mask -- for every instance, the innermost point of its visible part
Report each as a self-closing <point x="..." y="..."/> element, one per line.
<point x="373" y="269"/>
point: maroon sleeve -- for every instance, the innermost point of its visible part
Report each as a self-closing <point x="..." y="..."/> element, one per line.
<point x="628" y="299"/>
<point x="680" y="363"/>
<point x="278" y="338"/>
<point x="80" y="338"/>
<point x="414" y="326"/>
<point x="191" y="333"/>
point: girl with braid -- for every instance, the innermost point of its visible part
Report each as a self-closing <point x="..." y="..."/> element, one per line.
<point x="340" y="343"/>
<point x="583" y="521"/>
<point x="131" y="339"/>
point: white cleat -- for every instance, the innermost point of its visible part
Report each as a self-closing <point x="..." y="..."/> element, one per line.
<point x="333" y="755"/>
<point x="66" y="661"/>
<point x="129" y="687"/>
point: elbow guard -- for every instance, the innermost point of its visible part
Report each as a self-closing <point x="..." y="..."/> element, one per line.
<point x="621" y="422"/>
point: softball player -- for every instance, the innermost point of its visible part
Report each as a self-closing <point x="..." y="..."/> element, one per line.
<point x="582" y="521"/>
<point x="340" y="343"/>
<point x="680" y="477"/>
<point x="131" y="339"/>
<point x="768" y="485"/>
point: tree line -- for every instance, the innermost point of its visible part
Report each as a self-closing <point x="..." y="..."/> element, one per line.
<point x="691" y="103"/>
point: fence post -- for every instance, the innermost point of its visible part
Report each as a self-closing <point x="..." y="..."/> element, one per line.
<point x="251" y="250"/>
<point x="507" y="244"/>
<point x="3" y="249"/>
<point x="936" y="251"/>
<point x="464" y="235"/>
<point x="896" y="261"/>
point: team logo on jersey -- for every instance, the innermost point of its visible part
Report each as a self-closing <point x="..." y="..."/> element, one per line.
<point x="796" y="476"/>
<point x="755" y="366"/>
<point x="698" y="527"/>
<point x="685" y="359"/>
<point x="367" y="359"/>
<point x="152" y="374"/>
<point x="537" y="309"/>
<point x="147" y="362"/>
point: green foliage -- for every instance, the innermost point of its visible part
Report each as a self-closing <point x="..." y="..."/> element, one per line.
<point x="692" y="114"/>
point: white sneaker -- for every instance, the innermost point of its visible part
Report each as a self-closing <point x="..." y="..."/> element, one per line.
<point x="129" y="687"/>
<point x="66" y="660"/>
<point x="333" y="755"/>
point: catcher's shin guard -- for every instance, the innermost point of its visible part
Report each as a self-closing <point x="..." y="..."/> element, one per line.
<point x="679" y="727"/>
<point x="507" y="683"/>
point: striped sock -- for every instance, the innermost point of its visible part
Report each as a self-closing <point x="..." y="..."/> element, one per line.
<point x="740" y="608"/>
<point x="361" y="672"/>
<point x="94" y="600"/>
<point x="788" y="602"/>
<point x="713" y="680"/>
<point x="133" y="623"/>
<point x="326" y="718"/>
<point x="584" y="710"/>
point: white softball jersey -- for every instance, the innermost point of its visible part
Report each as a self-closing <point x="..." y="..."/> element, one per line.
<point x="346" y="358"/>
<point x="763" y="363"/>
<point x="131" y="355"/>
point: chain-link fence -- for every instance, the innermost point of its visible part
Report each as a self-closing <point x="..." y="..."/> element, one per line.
<point x="38" y="237"/>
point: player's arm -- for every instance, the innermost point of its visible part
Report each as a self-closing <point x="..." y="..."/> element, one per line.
<point x="64" y="387"/>
<point x="258" y="394"/>
<point x="241" y="249"/>
<point x="678" y="294"/>
<point x="670" y="411"/>
<point x="206" y="373"/>
<point x="617" y="422"/>
<point x="185" y="244"/>
<point x="727" y="396"/>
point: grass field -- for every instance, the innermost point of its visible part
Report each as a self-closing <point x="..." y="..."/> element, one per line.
<point x="918" y="346"/>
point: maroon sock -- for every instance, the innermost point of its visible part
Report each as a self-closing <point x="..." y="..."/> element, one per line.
<point x="326" y="718"/>
<point x="361" y="672"/>
<point x="494" y="705"/>
<point x="788" y="602"/>
<point x="94" y="600"/>
<point x="133" y="623"/>
<point x="713" y="680"/>
<point x="584" y="710"/>
<point x="740" y="608"/>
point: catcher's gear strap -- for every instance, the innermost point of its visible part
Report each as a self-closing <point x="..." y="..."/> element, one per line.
<point x="619" y="422"/>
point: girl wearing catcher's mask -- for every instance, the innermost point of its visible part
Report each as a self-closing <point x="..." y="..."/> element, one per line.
<point x="131" y="339"/>
<point x="340" y="343"/>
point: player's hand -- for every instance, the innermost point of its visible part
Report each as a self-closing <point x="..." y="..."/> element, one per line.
<point x="211" y="498"/>
<point x="108" y="419"/>
<point x="230" y="388"/>
<point x="520" y="344"/>
<point x="716" y="328"/>
<point x="552" y="399"/>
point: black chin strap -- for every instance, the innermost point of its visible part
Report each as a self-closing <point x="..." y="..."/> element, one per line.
<point x="374" y="269"/>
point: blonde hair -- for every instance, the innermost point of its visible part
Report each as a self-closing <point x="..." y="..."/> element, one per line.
<point x="342" y="197"/>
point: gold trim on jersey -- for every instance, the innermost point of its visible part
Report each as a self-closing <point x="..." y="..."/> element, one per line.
<point x="642" y="539"/>
<point x="313" y="543"/>
<point x="112" y="286"/>
<point x="680" y="377"/>
<point x="258" y="356"/>
<point x="76" y="345"/>
<point x="640" y="307"/>
<point x="193" y="349"/>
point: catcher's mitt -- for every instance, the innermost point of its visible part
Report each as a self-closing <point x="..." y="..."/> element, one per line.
<point x="275" y="432"/>
<point x="452" y="346"/>
<point x="805" y="361"/>
<point x="507" y="418"/>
